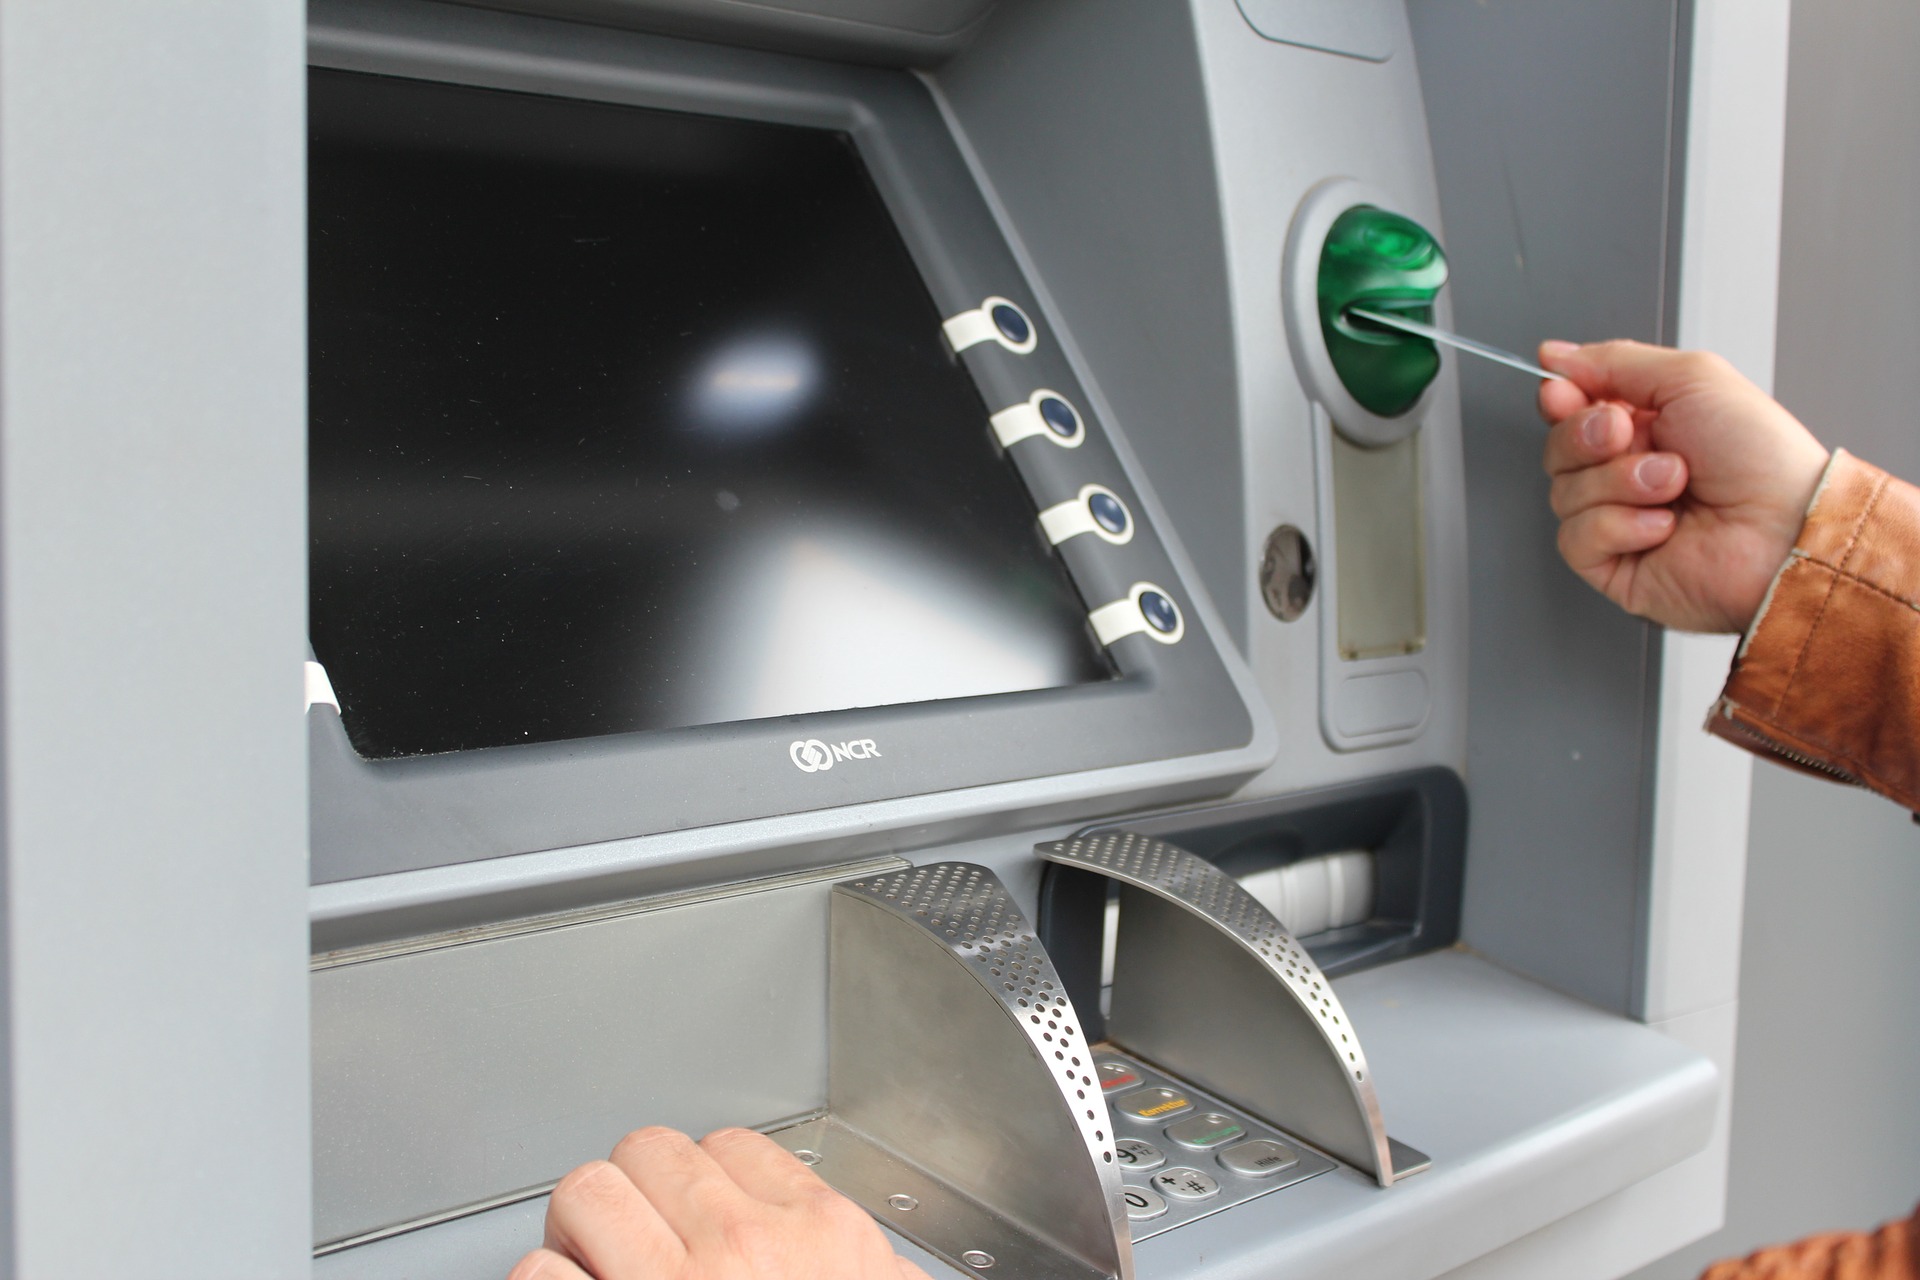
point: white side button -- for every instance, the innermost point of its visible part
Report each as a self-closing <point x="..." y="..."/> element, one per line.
<point x="320" y="689"/>
<point x="1147" y="611"/>
<point x="994" y="320"/>
<point x="1097" y="510"/>
<point x="1044" y="413"/>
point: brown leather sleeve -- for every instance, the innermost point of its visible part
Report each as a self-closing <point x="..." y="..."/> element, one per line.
<point x="1828" y="677"/>
<point x="1891" y="1253"/>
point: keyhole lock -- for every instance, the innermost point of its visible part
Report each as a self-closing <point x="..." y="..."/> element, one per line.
<point x="1287" y="573"/>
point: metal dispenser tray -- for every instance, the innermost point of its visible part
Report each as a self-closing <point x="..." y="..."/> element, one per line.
<point x="963" y="1108"/>
<point x="1208" y="985"/>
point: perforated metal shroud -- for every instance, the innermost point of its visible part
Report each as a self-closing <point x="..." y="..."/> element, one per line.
<point x="958" y="1066"/>
<point x="1269" y="1035"/>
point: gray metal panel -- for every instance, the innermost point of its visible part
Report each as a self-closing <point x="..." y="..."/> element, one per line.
<point x="1549" y="238"/>
<point x="1578" y="1104"/>
<point x="466" y="1070"/>
<point x="1091" y="124"/>
<point x="152" y="545"/>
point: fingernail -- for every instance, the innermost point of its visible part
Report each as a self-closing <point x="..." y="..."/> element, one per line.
<point x="1655" y="471"/>
<point x="1594" y="431"/>
<point x="1554" y="348"/>
<point x="1654" y="517"/>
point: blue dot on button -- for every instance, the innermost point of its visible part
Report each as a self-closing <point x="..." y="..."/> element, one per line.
<point x="1059" y="417"/>
<point x="1159" y="612"/>
<point x="1111" y="516"/>
<point x="1012" y="325"/>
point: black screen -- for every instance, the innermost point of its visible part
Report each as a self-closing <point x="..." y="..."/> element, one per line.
<point x="626" y="419"/>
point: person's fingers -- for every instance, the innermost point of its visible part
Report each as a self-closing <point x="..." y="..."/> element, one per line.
<point x="1633" y="479"/>
<point x="762" y="1167"/>
<point x="545" y="1264"/>
<point x="1644" y="376"/>
<point x="692" y="1193"/>
<point x="908" y="1271"/>
<point x="1559" y="398"/>
<point x="597" y="1217"/>
<point x="1590" y="541"/>
<point x="1586" y="439"/>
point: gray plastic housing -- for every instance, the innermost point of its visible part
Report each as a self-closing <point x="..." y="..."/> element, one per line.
<point x="900" y="33"/>
<point x="1186" y="711"/>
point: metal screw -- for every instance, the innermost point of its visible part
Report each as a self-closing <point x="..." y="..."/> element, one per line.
<point x="904" y="1203"/>
<point x="805" y="1156"/>
<point x="978" y="1259"/>
<point x="1287" y="573"/>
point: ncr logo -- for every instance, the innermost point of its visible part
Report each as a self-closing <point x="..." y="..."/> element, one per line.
<point x="811" y="755"/>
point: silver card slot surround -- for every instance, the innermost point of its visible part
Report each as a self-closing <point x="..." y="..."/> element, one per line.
<point x="963" y="1108"/>
<point x="1208" y="985"/>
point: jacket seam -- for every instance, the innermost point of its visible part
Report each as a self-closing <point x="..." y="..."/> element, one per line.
<point x="1860" y="522"/>
<point x="1874" y="587"/>
<point x="1806" y="643"/>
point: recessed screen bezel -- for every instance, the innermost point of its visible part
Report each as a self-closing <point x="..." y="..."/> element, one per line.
<point x="373" y="818"/>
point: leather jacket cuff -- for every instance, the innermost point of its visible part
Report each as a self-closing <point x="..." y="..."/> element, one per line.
<point x="1827" y="678"/>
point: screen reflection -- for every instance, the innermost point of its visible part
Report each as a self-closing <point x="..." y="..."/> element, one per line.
<point x="755" y="383"/>
<point x="828" y="618"/>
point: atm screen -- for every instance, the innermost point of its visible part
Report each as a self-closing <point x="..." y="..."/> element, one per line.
<point x="625" y="419"/>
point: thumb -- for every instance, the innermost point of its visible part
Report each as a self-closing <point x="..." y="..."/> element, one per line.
<point x="1644" y="376"/>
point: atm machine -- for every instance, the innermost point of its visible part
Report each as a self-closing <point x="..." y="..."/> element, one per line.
<point x="861" y="581"/>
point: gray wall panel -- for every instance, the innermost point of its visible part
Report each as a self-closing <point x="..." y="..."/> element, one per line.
<point x="152" y="546"/>
<point x="1826" y="1133"/>
<point x="1551" y="126"/>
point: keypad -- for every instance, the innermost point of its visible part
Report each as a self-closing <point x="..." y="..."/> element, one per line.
<point x="1220" y="1157"/>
